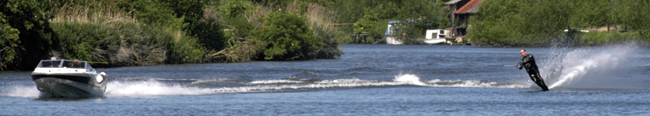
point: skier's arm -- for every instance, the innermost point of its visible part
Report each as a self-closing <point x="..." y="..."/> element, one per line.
<point x="522" y="62"/>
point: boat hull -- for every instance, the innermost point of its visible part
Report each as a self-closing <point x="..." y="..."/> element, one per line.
<point x="393" y="41"/>
<point x="434" y="41"/>
<point x="69" y="85"/>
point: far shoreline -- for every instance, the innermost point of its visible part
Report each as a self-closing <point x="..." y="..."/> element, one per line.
<point x="343" y="45"/>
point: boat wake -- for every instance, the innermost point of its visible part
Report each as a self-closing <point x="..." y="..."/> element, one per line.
<point x="157" y="87"/>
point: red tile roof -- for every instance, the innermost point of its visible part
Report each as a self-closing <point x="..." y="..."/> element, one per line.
<point x="470" y="7"/>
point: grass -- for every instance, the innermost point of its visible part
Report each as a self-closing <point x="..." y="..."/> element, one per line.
<point x="612" y="37"/>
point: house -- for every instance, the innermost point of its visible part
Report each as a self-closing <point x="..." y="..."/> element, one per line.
<point x="461" y="10"/>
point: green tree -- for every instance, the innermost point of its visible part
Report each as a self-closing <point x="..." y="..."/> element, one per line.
<point x="587" y="13"/>
<point x="635" y="14"/>
<point x="9" y="40"/>
<point x="27" y="19"/>
<point x="491" y="26"/>
<point x="371" y="25"/>
<point x="515" y="22"/>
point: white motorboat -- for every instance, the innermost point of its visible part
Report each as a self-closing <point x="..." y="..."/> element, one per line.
<point x="68" y="78"/>
<point x="435" y="36"/>
<point x="390" y="39"/>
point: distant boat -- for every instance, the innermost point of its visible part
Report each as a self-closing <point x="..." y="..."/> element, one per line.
<point x="435" y="36"/>
<point x="68" y="78"/>
<point x="390" y="39"/>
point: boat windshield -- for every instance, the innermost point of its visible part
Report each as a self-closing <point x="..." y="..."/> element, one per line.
<point x="74" y="64"/>
<point x="62" y="64"/>
<point x="50" y="63"/>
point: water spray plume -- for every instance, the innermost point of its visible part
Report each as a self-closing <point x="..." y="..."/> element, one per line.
<point x="591" y="67"/>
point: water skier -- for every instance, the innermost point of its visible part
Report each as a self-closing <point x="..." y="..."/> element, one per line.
<point x="528" y="61"/>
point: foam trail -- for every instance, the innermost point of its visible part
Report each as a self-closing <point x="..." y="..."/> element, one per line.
<point x="410" y="79"/>
<point x="587" y="64"/>
<point x="28" y="91"/>
<point x="473" y="83"/>
<point x="155" y="87"/>
<point x="150" y="88"/>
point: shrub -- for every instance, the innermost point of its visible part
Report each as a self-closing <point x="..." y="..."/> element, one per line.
<point x="235" y="8"/>
<point x="209" y="31"/>
<point x="288" y="37"/>
<point x="113" y="37"/>
<point x="119" y="43"/>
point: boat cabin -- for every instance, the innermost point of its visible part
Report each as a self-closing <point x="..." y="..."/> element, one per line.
<point x="436" y="33"/>
<point x="390" y="37"/>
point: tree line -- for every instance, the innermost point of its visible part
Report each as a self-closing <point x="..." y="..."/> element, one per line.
<point x="539" y="22"/>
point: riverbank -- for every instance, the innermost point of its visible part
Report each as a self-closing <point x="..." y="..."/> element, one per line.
<point x="150" y="32"/>
<point x="548" y="45"/>
<point x="577" y="39"/>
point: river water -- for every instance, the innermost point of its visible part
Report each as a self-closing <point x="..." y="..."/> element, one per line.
<point x="367" y="80"/>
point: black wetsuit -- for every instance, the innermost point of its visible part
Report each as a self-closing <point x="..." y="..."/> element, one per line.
<point x="528" y="62"/>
